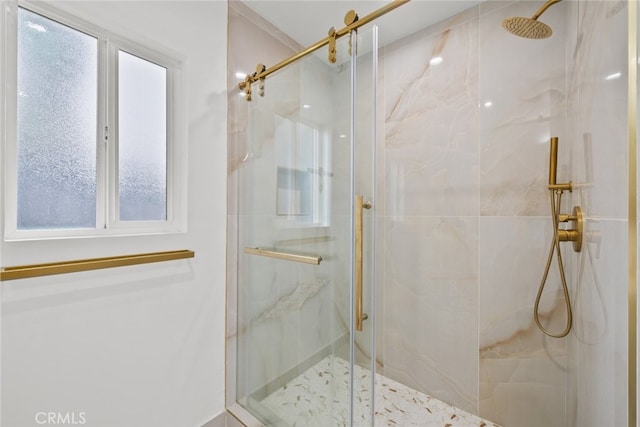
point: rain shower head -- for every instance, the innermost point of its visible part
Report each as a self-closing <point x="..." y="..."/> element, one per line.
<point x="527" y="27"/>
<point x="530" y="28"/>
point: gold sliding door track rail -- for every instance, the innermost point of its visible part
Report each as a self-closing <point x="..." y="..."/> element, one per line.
<point x="352" y="22"/>
<point x="35" y="270"/>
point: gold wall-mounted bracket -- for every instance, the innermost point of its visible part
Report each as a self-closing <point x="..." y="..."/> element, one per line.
<point x="250" y="79"/>
<point x="333" y="36"/>
<point x="349" y="19"/>
<point x="246" y="87"/>
<point x="567" y="186"/>
<point x="573" y="234"/>
<point x="260" y="68"/>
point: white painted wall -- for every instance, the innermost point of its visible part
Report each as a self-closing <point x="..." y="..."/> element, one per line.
<point x="134" y="346"/>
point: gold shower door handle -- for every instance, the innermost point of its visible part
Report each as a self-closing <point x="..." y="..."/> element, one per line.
<point x="360" y="317"/>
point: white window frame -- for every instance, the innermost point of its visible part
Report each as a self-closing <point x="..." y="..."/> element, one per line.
<point x="107" y="196"/>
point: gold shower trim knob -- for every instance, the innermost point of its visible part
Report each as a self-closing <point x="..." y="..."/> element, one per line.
<point x="574" y="234"/>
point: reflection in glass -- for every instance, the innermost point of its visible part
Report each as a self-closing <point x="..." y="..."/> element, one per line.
<point x="302" y="178"/>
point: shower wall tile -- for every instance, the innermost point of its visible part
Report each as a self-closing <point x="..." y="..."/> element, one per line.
<point x="252" y="38"/>
<point x="597" y="123"/>
<point x="523" y="391"/>
<point x="523" y="103"/>
<point x="598" y="106"/>
<point x="522" y="372"/>
<point x="430" y="302"/>
<point x="431" y="123"/>
<point x="513" y="255"/>
<point x="600" y="328"/>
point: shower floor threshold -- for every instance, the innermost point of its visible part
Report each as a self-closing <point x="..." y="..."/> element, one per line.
<point x="319" y="397"/>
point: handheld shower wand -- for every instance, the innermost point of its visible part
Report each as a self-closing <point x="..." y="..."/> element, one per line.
<point x="559" y="235"/>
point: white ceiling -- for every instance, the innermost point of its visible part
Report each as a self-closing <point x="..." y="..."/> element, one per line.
<point x="307" y="21"/>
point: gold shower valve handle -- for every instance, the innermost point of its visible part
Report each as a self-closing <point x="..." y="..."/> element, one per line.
<point x="574" y="234"/>
<point x="568" y="218"/>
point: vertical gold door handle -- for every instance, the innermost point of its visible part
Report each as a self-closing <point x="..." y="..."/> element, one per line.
<point x="360" y="317"/>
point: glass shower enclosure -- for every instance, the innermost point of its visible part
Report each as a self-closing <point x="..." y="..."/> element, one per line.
<point x="456" y="238"/>
<point x="306" y="241"/>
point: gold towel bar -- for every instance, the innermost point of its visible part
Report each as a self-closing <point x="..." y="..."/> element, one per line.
<point x="307" y="259"/>
<point x="35" y="270"/>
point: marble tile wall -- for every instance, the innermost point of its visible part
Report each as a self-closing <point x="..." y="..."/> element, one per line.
<point x="430" y="224"/>
<point x="465" y="170"/>
<point x="522" y="372"/>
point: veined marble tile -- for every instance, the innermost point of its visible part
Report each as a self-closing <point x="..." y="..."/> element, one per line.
<point x="522" y="99"/>
<point x="599" y="337"/>
<point x="513" y="256"/>
<point x="523" y="392"/>
<point x="523" y="373"/>
<point x="320" y="398"/>
<point x="597" y="102"/>
<point x="430" y="307"/>
<point x="431" y="123"/>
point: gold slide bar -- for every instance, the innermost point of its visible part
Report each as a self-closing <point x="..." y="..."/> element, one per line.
<point x="35" y="270"/>
<point x="306" y="259"/>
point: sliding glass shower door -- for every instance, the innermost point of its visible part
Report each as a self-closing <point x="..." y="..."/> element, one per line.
<point x="305" y="282"/>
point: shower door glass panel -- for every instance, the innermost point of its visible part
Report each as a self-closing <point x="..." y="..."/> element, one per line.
<point x="296" y="342"/>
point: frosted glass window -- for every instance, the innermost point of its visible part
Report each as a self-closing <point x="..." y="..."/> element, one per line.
<point x="142" y="139"/>
<point x="96" y="118"/>
<point x="56" y="125"/>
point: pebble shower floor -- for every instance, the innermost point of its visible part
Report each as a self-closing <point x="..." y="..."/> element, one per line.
<point x="319" y="398"/>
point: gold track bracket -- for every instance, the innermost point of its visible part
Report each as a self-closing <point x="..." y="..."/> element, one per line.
<point x="333" y="35"/>
<point x="350" y="18"/>
<point x="246" y="87"/>
<point x="250" y="79"/>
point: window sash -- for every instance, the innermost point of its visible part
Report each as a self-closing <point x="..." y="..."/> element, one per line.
<point x="107" y="207"/>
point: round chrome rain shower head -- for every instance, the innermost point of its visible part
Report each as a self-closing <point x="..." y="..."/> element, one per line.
<point x="527" y="27"/>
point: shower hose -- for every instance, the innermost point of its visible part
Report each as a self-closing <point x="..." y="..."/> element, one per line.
<point x="555" y="247"/>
